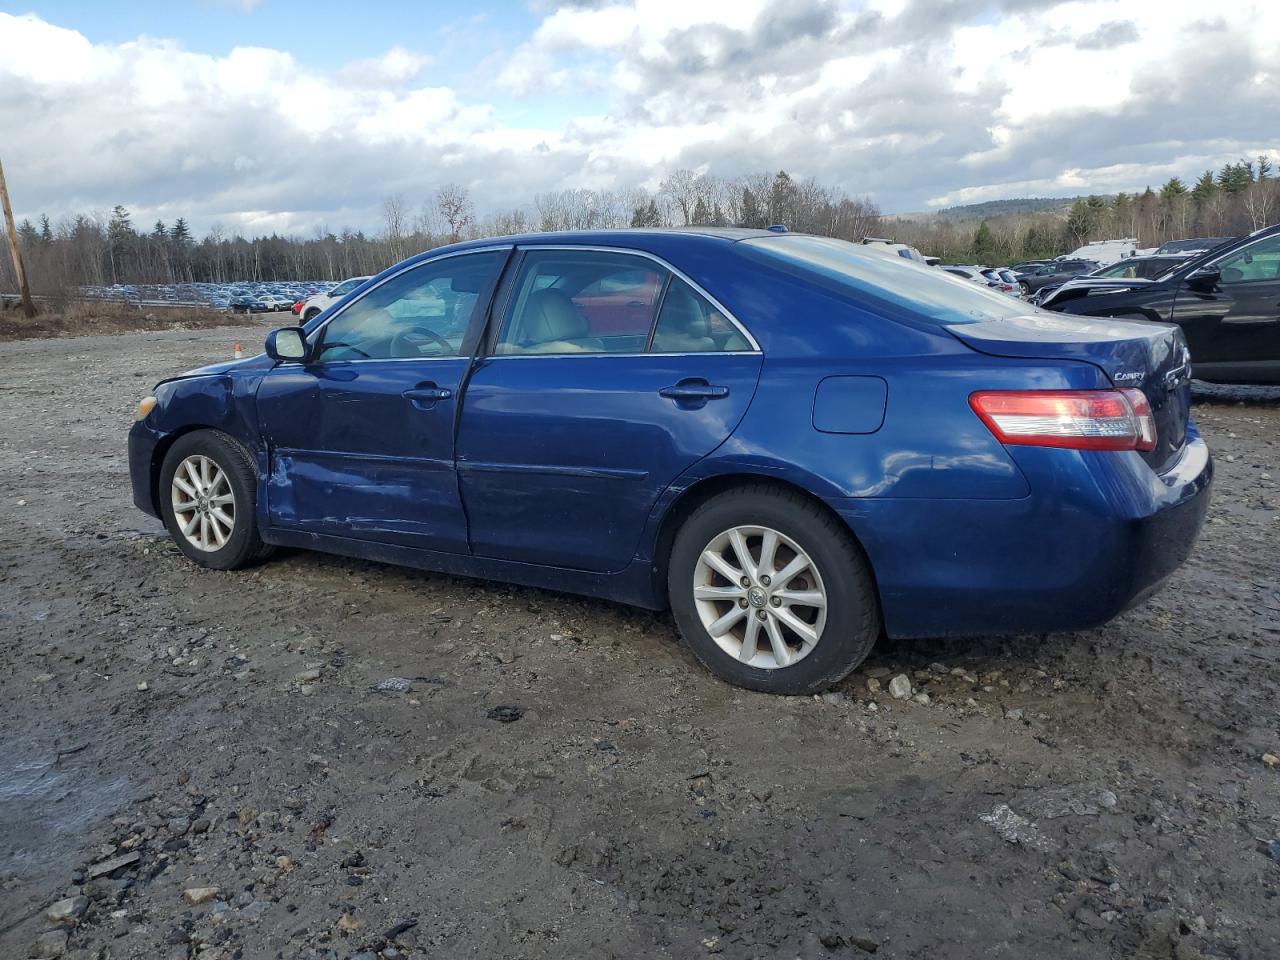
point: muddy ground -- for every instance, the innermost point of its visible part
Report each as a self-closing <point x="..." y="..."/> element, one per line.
<point x="1099" y="794"/>
<point x="87" y="318"/>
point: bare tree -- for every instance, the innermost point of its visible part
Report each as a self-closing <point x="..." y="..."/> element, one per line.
<point x="680" y="188"/>
<point x="454" y="203"/>
<point x="393" y="219"/>
<point x="1260" y="201"/>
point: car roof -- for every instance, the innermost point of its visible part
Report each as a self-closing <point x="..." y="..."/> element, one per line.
<point x="628" y="236"/>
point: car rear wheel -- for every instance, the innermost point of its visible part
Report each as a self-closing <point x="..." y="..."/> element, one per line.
<point x="208" y="496"/>
<point x="310" y="315"/>
<point x="1025" y="288"/>
<point x="771" y="592"/>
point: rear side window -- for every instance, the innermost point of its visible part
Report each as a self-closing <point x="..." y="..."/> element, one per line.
<point x="567" y="301"/>
<point x="922" y="292"/>
<point x="689" y="323"/>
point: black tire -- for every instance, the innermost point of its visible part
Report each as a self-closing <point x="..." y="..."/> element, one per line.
<point x="310" y="315"/>
<point x="244" y="546"/>
<point x="1025" y="288"/>
<point x="852" y="613"/>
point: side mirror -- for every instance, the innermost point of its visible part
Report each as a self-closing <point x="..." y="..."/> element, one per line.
<point x="1204" y="277"/>
<point x="287" y="343"/>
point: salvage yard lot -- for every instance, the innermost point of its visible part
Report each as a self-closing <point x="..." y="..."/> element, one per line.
<point x="1082" y="795"/>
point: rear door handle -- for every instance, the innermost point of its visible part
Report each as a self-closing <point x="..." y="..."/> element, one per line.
<point x="426" y="395"/>
<point x="694" y="390"/>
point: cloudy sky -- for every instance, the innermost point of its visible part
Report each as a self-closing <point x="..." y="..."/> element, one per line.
<point x="267" y="115"/>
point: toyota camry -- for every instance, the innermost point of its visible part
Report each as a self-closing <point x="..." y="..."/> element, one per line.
<point x="798" y="445"/>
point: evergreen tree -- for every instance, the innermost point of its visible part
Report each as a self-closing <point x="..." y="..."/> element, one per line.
<point x="701" y="215"/>
<point x="1204" y="189"/>
<point x="752" y="215"/>
<point x="27" y="234"/>
<point x="984" y="244"/>
<point x="1235" y="178"/>
<point x="46" y="230"/>
<point x="160" y="233"/>
<point x="782" y="199"/>
<point x="181" y="233"/>
<point x="646" y="215"/>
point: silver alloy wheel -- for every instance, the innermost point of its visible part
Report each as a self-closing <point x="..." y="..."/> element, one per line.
<point x="760" y="597"/>
<point x="204" y="504"/>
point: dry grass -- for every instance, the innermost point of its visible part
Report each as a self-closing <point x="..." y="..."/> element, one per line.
<point x="87" y="319"/>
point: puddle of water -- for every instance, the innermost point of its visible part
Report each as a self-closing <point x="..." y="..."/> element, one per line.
<point x="47" y="808"/>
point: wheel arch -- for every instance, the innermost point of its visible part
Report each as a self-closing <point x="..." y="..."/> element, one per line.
<point x="165" y="444"/>
<point x="699" y="492"/>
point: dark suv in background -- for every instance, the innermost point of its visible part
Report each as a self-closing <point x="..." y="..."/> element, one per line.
<point x="1055" y="272"/>
<point x="1227" y="302"/>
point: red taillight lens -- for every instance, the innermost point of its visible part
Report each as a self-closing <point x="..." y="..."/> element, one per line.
<point x="1076" y="419"/>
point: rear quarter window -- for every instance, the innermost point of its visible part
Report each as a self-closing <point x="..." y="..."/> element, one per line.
<point x="908" y="287"/>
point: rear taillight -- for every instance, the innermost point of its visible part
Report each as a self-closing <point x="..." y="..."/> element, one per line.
<point x="1077" y="419"/>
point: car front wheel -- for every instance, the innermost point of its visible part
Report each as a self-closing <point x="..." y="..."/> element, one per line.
<point x="771" y="592"/>
<point x="208" y="495"/>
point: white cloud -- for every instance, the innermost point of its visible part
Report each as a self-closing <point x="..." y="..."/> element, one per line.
<point x="911" y="101"/>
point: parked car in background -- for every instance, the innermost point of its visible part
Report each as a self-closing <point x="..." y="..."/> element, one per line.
<point x="243" y="303"/>
<point x="1055" y="272"/>
<point x="273" y="302"/>
<point x="319" y="302"/>
<point x="1193" y="246"/>
<point x="1028" y="266"/>
<point x="968" y="273"/>
<point x="1145" y="268"/>
<point x="790" y="443"/>
<point x="1003" y="280"/>
<point x="1104" y="252"/>
<point x="1226" y="301"/>
<point x="906" y="251"/>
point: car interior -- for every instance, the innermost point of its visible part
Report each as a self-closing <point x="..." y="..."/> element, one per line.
<point x="422" y="313"/>
<point x="605" y="303"/>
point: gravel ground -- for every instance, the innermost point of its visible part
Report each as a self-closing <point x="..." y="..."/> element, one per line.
<point x="202" y="764"/>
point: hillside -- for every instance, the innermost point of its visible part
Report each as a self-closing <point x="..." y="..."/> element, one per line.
<point x="991" y="208"/>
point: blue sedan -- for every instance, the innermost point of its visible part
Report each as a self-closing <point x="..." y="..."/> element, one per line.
<point x="796" y="444"/>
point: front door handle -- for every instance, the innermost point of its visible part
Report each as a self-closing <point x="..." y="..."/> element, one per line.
<point x="694" y="390"/>
<point x="426" y="395"/>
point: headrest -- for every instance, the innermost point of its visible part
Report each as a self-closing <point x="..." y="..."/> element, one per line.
<point x="551" y="315"/>
<point x="682" y="314"/>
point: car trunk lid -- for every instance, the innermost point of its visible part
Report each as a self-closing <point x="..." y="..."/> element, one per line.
<point x="1150" y="356"/>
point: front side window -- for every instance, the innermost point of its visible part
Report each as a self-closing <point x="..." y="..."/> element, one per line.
<point x="581" y="301"/>
<point x="421" y="313"/>
<point x="1257" y="261"/>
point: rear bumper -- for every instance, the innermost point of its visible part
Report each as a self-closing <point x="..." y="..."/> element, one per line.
<point x="1099" y="533"/>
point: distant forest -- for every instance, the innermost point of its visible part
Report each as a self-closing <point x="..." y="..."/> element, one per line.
<point x="97" y="249"/>
<point x="94" y="249"/>
<point x="1239" y="198"/>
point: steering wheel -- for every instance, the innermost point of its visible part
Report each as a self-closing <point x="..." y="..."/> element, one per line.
<point x="409" y="342"/>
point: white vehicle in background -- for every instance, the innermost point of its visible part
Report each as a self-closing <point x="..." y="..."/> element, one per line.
<point x="274" y="302"/>
<point x="903" y="250"/>
<point x="1105" y="252"/>
<point x="323" y="301"/>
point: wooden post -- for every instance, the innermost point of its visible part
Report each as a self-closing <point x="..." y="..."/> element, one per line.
<point x="28" y="307"/>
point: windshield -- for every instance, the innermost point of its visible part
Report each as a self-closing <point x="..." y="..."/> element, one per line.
<point x="901" y="285"/>
<point x="346" y="286"/>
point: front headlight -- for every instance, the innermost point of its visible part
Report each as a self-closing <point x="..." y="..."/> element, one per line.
<point x="145" y="406"/>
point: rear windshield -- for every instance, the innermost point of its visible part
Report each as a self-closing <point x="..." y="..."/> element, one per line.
<point x="905" y="286"/>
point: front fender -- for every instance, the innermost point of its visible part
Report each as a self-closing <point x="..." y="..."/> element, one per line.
<point x="204" y="401"/>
